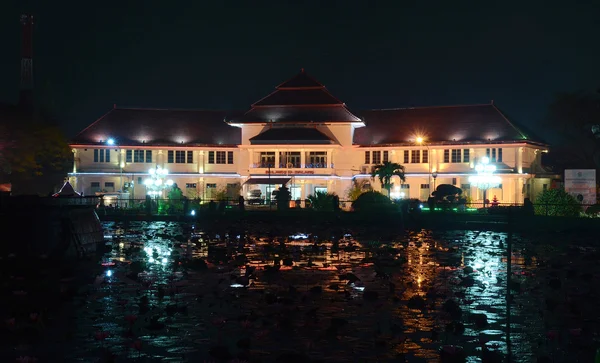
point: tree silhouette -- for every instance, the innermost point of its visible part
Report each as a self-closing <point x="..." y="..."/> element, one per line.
<point x="385" y="172"/>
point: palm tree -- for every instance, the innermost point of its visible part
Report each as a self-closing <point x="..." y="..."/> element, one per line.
<point x="385" y="172"/>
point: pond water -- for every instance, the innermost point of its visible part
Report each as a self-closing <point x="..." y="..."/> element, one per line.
<point x="360" y="298"/>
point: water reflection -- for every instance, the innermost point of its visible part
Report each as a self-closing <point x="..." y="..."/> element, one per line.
<point x="162" y="298"/>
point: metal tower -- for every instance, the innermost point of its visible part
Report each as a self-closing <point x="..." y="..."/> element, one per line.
<point x="26" y="91"/>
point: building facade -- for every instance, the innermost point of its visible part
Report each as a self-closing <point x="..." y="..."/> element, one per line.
<point x="302" y="136"/>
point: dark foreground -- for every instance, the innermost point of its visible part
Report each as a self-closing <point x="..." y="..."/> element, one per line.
<point x="383" y="297"/>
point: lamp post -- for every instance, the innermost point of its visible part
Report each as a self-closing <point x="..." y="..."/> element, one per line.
<point x="420" y="141"/>
<point x="485" y="178"/>
<point x="157" y="182"/>
<point x="434" y="175"/>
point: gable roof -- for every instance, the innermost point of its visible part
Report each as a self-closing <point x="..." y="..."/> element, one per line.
<point x="300" y="99"/>
<point x="445" y="124"/>
<point x="291" y="135"/>
<point x="156" y="127"/>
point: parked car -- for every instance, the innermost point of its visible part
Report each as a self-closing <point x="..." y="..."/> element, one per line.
<point x="254" y="197"/>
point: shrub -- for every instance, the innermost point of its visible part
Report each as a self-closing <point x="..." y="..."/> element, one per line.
<point x="322" y="201"/>
<point x="557" y="202"/>
<point x="373" y="201"/>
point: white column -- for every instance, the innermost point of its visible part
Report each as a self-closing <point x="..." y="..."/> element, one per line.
<point x="520" y="160"/>
<point x="201" y="161"/>
<point x="160" y="158"/>
<point x="276" y="159"/>
<point x="329" y="160"/>
<point x="302" y="159"/>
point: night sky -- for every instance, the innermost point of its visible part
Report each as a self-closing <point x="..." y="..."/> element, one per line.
<point x="228" y="54"/>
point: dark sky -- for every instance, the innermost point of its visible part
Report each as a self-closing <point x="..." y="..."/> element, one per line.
<point x="228" y="54"/>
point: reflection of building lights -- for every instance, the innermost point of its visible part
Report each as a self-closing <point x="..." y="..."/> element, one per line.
<point x="109" y="273"/>
<point x="193" y="212"/>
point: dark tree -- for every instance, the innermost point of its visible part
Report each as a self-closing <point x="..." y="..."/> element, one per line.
<point x="283" y="196"/>
<point x="34" y="154"/>
<point x="446" y="193"/>
<point x="571" y="121"/>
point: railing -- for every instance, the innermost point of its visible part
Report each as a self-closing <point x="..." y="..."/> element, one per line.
<point x="192" y="207"/>
<point x="292" y="165"/>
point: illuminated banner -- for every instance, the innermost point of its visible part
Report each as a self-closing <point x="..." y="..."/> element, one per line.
<point x="581" y="183"/>
<point x="290" y="172"/>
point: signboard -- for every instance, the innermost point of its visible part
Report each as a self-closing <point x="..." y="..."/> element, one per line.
<point x="581" y="183"/>
<point x="290" y="172"/>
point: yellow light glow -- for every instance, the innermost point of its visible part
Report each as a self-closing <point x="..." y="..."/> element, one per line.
<point x="419" y="140"/>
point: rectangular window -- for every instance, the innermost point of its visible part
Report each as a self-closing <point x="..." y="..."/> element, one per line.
<point x="425" y="158"/>
<point x="453" y="181"/>
<point x="456" y="156"/>
<point x="424" y="186"/>
<point x="148" y="156"/>
<point x="544" y="187"/>
<point x="138" y="156"/>
<point x="101" y="159"/>
<point x="190" y="157"/>
<point x="415" y="156"/>
<point x="170" y="157"/>
<point x="230" y="157"/>
<point x="376" y="157"/>
<point x="406" y="159"/>
<point x="221" y="157"/>
<point x="487" y="153"/>
<point x="107" y="159"/>
<point x="386" y="156"/>
<point x="466" y="188"/>
<point x="109" y="184"/>
<point x="95" y="185"/>
<point x="500" y="155"/>
<point x="211" y="157"/>
<point x="129" y="156"/>
<point x="404" y="186"/>
<point x="95" y="155"/>
<point x="466" y="156"/>
<point x="139" y="180"/>
<point x="190" y="185"/>
<point x="493" y="158"/>
<point x="446" y="155"/>
<point x="315" y="159"/>
<point x="179" y="157"/>
<point x="367" y="157"/>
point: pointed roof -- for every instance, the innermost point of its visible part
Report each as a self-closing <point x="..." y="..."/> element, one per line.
<point x="67" y="191"/>
<point x="301" y="99"/>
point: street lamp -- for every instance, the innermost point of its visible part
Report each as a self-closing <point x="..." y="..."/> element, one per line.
<point x="156" y="183"/>
<point x="434" y="175"/>
<point x="485" y="178"/>
<point x="420" y="141"/>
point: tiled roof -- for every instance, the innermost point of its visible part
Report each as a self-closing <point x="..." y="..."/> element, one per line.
<point x="446" y="124"/>
<point x="161" y="127"/>
<point x="298" y="114"/>
<point x="301" y="80"/>
<point x="300" y="99"/>
<point x="291" y="135"/>
<point x="311" y="96"/>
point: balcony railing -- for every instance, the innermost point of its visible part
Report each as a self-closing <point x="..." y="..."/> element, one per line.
<point x="292" y="165"/>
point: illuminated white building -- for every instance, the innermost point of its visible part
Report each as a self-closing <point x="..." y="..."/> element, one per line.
<point x="302" y="136"/>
